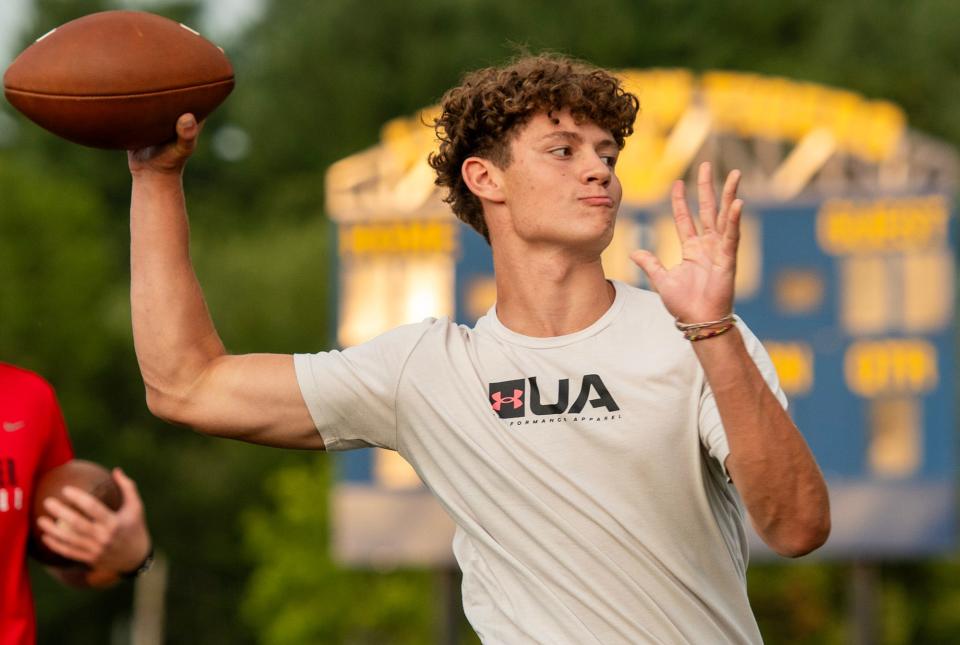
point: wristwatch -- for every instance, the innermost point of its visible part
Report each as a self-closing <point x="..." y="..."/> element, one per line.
<point x="145" y="566"/>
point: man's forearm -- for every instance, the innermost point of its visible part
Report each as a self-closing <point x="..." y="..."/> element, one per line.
<point x="174" y="336"/>
<point x="769" y="462"/>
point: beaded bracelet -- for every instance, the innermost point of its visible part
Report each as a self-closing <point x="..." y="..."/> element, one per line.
<point x="694" y="337"/>
<point x="684" y="327"/>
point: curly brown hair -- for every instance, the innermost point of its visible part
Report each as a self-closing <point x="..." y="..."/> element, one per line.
<point x="481" y="115"/>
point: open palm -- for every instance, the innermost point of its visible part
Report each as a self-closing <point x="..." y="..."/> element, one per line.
<point x="701" y="287"/>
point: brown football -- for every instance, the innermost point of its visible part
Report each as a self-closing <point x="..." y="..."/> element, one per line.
<point x="118" y="79"/>
<point x="85" y="475"/>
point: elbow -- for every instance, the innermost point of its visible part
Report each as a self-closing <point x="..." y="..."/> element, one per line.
<point x="165" y="407"/>
<point x="803" y="538"/>
<point x="185" y="410"/>
<point x="179" y="398"/>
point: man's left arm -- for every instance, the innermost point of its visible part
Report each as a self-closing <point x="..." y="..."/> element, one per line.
<point x="769" y="461"/>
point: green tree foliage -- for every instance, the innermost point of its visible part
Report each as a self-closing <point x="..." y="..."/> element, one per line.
<point x="799" y="603"/>
<point x="302" y="596"/>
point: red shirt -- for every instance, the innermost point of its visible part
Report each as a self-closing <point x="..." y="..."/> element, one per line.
<point x="33" y="440"/>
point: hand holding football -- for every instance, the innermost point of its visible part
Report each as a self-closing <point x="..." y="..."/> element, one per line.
<point x="87" y="476"/>
<point x="118" y="79"/>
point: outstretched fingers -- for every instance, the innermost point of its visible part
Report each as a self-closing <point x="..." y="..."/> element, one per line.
<point x="651" y="265"/>
<point x="686" y="229"/>
<point x="706" y="196"/>
<point x="731" y="233"/>
<point x="727" y="198"/>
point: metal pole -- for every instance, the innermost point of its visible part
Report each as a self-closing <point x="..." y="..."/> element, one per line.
<point x="149" y="611"/>
<point x="451" y="606"/>
<point x="864" y="603"/>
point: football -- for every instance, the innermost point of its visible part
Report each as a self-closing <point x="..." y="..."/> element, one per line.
<point x="85" y="475"/>
<point x="118" y="79"/>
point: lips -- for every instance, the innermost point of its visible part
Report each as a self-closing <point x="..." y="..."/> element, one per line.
<point x="597" y="200"/>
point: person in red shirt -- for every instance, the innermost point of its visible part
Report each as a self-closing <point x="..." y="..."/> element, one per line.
<point x="112" y="545"/>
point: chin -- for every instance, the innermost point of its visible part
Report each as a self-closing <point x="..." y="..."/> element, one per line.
<point x="592" y="242"/>
<point x="588" y="233"/>
<point x="601" y="231"/>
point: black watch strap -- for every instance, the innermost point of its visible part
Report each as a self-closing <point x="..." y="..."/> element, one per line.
<point x="145" y="566"/>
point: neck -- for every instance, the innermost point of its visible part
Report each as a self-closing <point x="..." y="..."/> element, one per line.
<point x="550" y="293"/>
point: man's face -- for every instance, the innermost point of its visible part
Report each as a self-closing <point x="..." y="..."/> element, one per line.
<point x="560" y="186"/>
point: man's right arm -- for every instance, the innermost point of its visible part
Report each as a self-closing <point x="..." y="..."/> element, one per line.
<point x="189" y="377"/>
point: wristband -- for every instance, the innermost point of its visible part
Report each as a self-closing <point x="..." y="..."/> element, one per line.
<point x="694" y="335"/>
<point x="687" y="327"/>
<point x="145" y="566"/>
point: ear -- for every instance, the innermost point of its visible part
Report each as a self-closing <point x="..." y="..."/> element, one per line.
<point x="483" y="179"/>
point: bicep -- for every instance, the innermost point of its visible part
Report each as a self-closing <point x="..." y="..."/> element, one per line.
<point x="252" y="397"/>
<point x="347" y="400"/>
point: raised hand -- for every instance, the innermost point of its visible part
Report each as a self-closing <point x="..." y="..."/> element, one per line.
<point x="169" y="158"/>
<point x="701" y="287"/>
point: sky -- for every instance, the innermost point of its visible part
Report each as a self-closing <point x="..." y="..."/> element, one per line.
<point x="14" y="16"/>
<point x="220" y="19"/>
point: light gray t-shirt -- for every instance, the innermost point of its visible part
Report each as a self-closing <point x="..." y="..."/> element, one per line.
<point x="584" y="472"/>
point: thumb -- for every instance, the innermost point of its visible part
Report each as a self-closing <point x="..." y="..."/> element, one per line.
<point x="131" y="498"/>
<point x="187" y="132"/>
<point x="650" y="264"/>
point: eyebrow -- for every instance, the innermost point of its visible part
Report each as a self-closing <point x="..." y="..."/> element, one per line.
<point x="574" y="137"/>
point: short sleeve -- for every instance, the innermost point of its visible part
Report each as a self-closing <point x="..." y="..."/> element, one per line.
<point x="351" y="394"/>
<point x="57" y="449"/>
<point x="712" y="434"/>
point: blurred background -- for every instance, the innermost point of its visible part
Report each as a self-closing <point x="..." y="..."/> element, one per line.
<point x="297" y="219"/>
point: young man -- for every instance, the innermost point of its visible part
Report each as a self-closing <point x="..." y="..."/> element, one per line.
<point x="586" y="446"/>
<point x="33" y="440"/>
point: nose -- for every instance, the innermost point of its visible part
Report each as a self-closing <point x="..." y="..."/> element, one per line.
<point x="597" y="171"/>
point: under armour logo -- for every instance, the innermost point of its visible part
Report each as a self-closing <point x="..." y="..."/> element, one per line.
<point x="507" y="398"/>
<point x="499" y="399"/>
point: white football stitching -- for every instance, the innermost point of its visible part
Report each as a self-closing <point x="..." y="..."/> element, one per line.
<point x="46" y="34"/>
